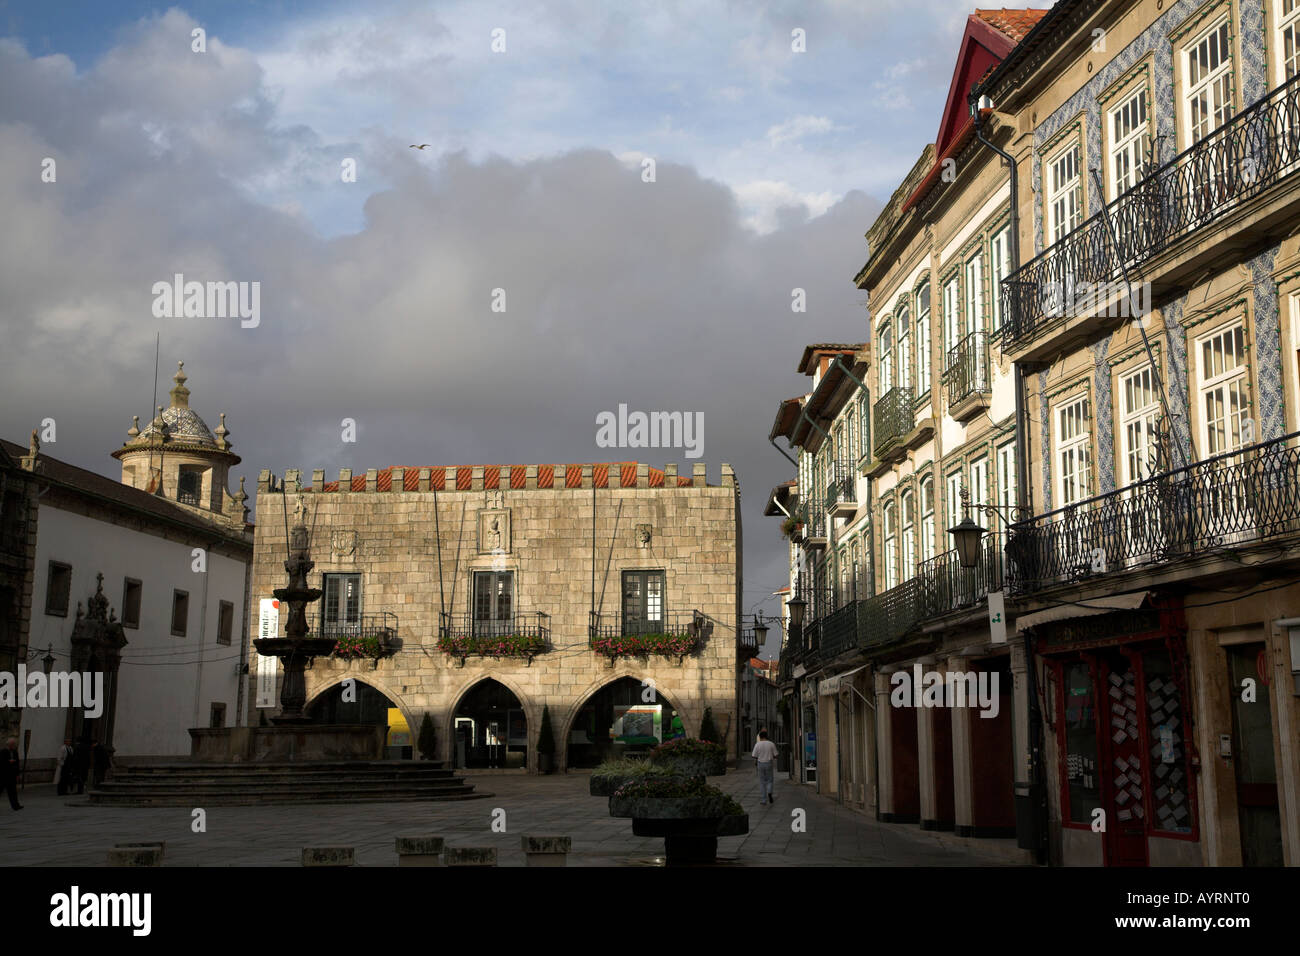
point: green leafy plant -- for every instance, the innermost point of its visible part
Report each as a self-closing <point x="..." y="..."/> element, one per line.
<point x="545" y="738"/>
<point x="642" y="645"/>
<point x="789" y="526"/>
<point x="668" y="787"/>
<point x="688" y="747"/>
<point x="503" y="645"/>
<point x="352" y="646"/>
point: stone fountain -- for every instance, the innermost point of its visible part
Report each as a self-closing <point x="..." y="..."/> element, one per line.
<point x="296" y="650"/>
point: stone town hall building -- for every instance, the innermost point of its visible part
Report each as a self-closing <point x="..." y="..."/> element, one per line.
<point x="480" y="595"/>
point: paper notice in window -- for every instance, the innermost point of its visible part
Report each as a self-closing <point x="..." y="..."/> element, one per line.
<point x="1118" y="736"/>
<point x="1116" y="693"/>
<point x="1155" y="684"/>
<point x="1124" y="815"/>
<point x="1138" y="811"/>
<point x="1121" y="798"/>
<point x="1119" y="722"/>
<point x="1117" y="709"/>
<point x="1116" y="680"/>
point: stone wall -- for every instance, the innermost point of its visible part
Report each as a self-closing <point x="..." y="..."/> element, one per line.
<point x="544" y="535"/>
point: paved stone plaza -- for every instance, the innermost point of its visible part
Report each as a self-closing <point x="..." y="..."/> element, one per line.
<point x="66" y="831"/>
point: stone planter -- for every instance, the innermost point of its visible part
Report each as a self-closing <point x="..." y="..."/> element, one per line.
<point x="666" y="808"/>
<point x="734" y="825"/>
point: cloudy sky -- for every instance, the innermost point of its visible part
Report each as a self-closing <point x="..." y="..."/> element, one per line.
<point x="376" y="295"/>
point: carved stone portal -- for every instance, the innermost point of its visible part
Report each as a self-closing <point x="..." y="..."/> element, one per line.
<point x="493" y="532"/>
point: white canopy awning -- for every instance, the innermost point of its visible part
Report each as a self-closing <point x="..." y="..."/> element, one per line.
<point x="1100" y="605"/>
<point x="831" y="685"/>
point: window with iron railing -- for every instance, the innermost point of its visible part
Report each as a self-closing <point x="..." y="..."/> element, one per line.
<point x="967" y="371"/>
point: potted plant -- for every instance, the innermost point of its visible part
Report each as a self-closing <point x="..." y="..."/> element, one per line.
<point x="545" y="742"/>
<point x="692" y="758"/>
<point x="790" y="527"/>
<point x="427" y="742"/>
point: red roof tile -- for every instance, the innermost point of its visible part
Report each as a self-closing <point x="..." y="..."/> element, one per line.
<point x="1014" y="23"/>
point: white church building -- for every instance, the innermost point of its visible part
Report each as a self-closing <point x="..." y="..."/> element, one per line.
<point x="145" y="580"/>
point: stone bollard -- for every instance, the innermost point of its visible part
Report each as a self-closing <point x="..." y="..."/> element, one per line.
<point x="328" y="856"/>
<point x="138" y="844"/>
<point x="138" y="854"/>
<point x="419" y="851"/>
<point x="471" y="856"/>
<point x="546" y="850"/>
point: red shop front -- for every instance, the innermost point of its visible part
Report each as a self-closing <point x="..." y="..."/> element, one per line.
<point x="1118" y="701"/>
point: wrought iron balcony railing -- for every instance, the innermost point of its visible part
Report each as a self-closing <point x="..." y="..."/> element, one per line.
<point x="946" y="586"/>
<point x="967" y="371"/>
<point x="888" y="616"/>
<point x="814" y="529"/>
<point x="536" y="624"/>
<point x="188" y="496"/>
<point x="1230" y="500"/>
<point x="842" y="487"/>
<point x="382" y="624"/>
<point x="1244" y="157"/>
<point x="671" y="624"/>
<point x="840" y="630"/>
<point x="893" y="418"/>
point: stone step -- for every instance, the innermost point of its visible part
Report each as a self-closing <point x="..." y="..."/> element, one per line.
<point x="250" y="767"/>
<point x="315" y="775"/>
<point x="247" y="796"/>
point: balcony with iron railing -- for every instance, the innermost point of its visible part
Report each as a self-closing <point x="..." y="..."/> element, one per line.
<point x="1228" y="502"/>
<point x="842" y="490"/>
<point x="1171" y="225"/>
<point x="966" y="377"/>
<point x="523" y="634"/>
<point x="892" y="420"/>
<point x="668" y="634"/>
<point x="947" y="587"/>
<point x="814" y="529"/>
<point x="372" y="636"/>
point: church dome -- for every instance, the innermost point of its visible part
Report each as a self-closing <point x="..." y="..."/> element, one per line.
<point x="179" y="425"/>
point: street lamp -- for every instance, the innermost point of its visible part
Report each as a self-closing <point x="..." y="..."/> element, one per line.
<point x="967" y="535"/>
<point x="796" y="606"/>
<point x="760" y="630"/>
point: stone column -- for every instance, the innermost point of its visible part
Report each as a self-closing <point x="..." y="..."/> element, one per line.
<point x="884" y="727"/>
<point x="963" y="796"/>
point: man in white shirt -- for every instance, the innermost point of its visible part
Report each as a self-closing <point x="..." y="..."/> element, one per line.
<point x="765" y="754"/>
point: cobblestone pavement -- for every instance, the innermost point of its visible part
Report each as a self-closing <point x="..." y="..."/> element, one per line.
<point x="66" y="831"/>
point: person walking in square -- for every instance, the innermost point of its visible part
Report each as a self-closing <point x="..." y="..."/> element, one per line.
<point x="765" y="754"/>
<point x="10" y="768"/>
<point x="65" y="772"/>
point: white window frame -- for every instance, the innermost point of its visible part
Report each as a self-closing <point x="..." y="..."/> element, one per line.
<point x="1224" y="381"/>
<point x="980" y="489"/>
<point x="1286" y="15"/>
<point x="903" y="344"/>
<point x="1138" y="423"/>
<point x="954" y="481"/>
<point x="951" y="315"/>
<point x="1072" y="450"/>
<point x="907" y="530"/>
<point x="927" y="518"/>
<point x="1006" y="458"/>
<point x="885" y="341"/>
<point x="1000" y="268"/>
<point x="1128" y="126"/>
<point x="1217" y="81"/>
<point x="1064" y="195"/>
<point x="889" y="542"/>
<point x="923" y="319"/>
<point x="973" y="305"/>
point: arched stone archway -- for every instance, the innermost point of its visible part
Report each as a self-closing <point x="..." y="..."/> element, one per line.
<point x="373" y="704"/>
<point x="613" y="717"/>
<point x="488" y="726"/>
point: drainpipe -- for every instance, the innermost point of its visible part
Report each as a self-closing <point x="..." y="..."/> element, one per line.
<point x="1036" y="793"/>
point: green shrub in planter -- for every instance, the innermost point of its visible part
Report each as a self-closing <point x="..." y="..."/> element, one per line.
<point x="545" y="741"/>
<point x="691" y="757"/>
<point x="427" y="742"/>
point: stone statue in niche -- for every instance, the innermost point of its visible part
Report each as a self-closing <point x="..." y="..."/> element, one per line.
<point x="643" y="536"/>
<point x="494" y="532"/>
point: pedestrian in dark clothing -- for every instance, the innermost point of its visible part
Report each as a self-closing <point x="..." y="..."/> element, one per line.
<point x="65" y="771"/>
<point x="101" y="763"/>
<point x="10" y="769"/>
<point x="82" y="761"/>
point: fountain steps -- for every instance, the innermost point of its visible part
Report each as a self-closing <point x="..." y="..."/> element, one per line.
<point x="246" y="784"/>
